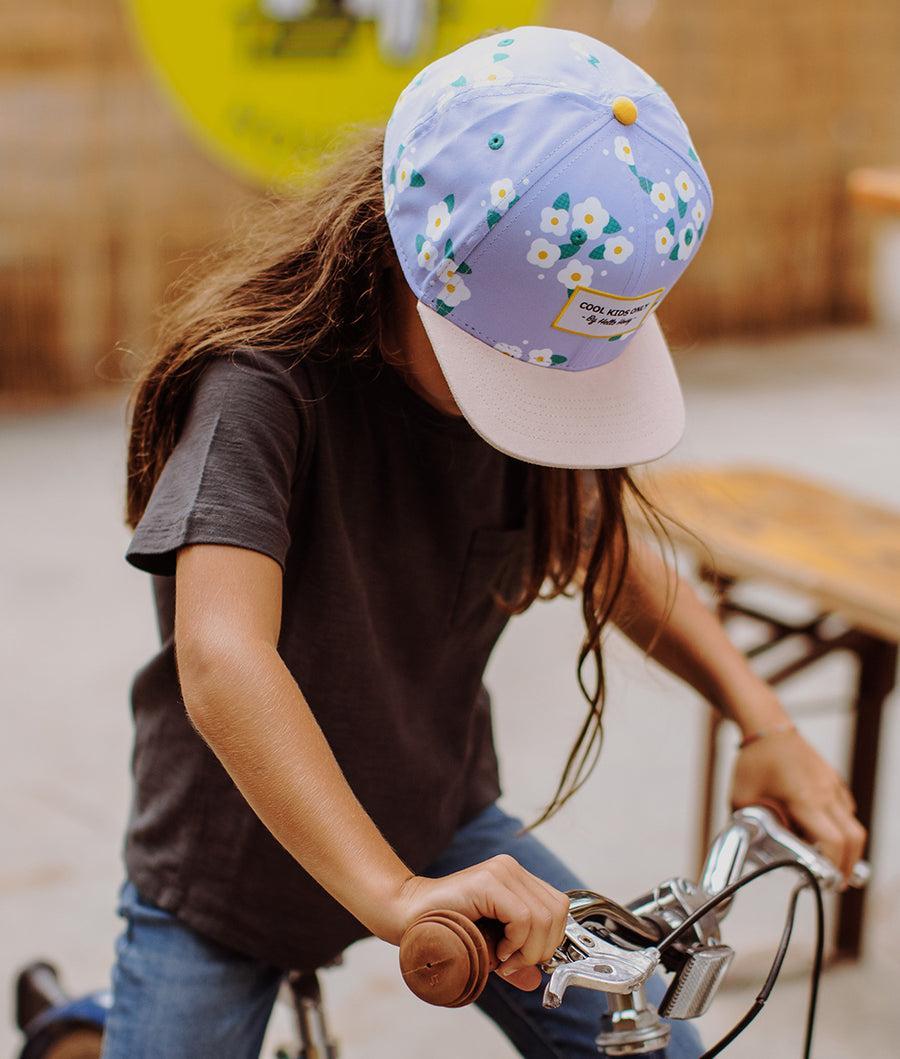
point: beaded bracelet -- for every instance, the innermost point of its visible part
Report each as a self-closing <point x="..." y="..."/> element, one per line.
<point x="785" y="726"/>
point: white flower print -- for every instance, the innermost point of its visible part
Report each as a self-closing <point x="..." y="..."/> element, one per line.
<point x="698" y="213"/>
<point x="575" y="274"/>
<point x="685" y="187"/>
<point x="661" y="194"/>
<point x="438" y="220"/>
<point x="454" y="292"/>
<point x="447" y="270"/>
<point x="428" y="255"/>
<point x="502" y="193"/>
<point x="493" y="74"/>
<point x="539" y="356"/>
<point x="510" y="351"/>
<point x="554" y="221"/>
<point x="686" y="238"/>
<point x="389" y="198"/>
<point x="404" y="175"/>
<point x="618" y="249"/>
<point x="581" y="50"/>
<point x="543" y="253"/>
<point x="590" y="216"/>
<point x="664" y="241"/>
<point x="623" y="150"/>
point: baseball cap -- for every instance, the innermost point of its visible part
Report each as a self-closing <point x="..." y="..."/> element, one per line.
<point x="544" y="196"/>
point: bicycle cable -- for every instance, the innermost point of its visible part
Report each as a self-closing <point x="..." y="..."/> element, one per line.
<point x="723" y="896"/>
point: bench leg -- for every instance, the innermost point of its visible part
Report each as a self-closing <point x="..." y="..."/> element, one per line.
<point x="877" y="675"/>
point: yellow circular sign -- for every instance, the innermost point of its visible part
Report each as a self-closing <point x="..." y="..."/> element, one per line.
<point x="267" y="83"/>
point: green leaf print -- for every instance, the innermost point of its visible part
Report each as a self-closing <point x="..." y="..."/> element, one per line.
<point x="674" y="255"/>
<point x="416" y="180"/>
<point x="464" y="269"/>
<point x="443" y="308"/>
<point x="570" y="291"/>
<point x="562" y="201"/>
<point x="459" y="82"/>
<point x="568" y="249"/>
<point x="400" y="151"/>
<point x="513" y="202"/>
<point x="558" y="358"/>
<point x="612" y="226"/>
<point x="670" y="224"/>
<point x="614" y="338"/>
<point x="700" y="231"/>
<point x="448" y="249"/>
<point x="492" y="218"/>
<point x="451" y="202"/>
<point x="682" y="207"/>
<point x="693" y="154"/>
<point x="393" y="177"/>
<point x="598" y="252"/>
<point x="499" y="56"/>
<point x="420" y="242"/>
<point x="646" y="185"/>
<point x="505" y="43"/>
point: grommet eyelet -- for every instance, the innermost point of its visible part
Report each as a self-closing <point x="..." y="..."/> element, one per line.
<point x="496" y="141"/>
<point x="624" y="110"/>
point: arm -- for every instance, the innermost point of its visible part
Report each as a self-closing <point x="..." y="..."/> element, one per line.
<point x="242" y="699"/>
<point x="694" y="646"/>
<point x="246" y="705"/>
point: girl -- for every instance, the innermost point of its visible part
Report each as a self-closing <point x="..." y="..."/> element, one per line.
<point x="364" y="441"/>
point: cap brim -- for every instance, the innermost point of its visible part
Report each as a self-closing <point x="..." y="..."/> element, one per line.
<point x="625" y="412"/>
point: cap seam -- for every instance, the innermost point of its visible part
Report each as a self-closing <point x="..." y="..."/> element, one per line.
<point x="470" y="247"/>
<point x="566" y="162"/>
<point x="700" y="174"/>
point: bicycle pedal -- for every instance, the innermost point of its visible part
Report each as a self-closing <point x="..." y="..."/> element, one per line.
<point x="694" y="986"/>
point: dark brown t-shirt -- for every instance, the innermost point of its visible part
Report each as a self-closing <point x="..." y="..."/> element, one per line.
<point x="391" y="521"/>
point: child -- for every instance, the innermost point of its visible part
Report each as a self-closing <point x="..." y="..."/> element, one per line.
<point x="361" y="445"/>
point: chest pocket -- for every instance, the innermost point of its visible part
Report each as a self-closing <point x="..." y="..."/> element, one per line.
<point x="495" y="561"/>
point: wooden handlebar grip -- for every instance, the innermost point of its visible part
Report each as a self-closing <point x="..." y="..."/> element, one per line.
<point x="445" y="958"/>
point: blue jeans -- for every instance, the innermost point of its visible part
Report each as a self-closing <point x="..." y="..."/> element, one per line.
<point x="177" y="995"/>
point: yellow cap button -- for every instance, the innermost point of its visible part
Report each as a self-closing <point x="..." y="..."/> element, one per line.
<point x="624" y="110"/>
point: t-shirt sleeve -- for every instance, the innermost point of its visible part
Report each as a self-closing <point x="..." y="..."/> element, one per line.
<point x="238" y="461"/>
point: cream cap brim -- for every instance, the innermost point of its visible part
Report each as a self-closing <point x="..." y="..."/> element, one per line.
<point x="628" y="411"/>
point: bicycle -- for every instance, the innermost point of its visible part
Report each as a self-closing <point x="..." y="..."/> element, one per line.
<point x="445" y="958"/>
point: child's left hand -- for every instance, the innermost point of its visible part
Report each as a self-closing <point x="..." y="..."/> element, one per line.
<point x="785" y="769"/>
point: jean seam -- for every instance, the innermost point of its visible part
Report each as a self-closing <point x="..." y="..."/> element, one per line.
<point x="523" y="1017"/>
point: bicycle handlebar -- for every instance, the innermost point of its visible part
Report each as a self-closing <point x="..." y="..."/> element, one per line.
<point x="445" y="958"/>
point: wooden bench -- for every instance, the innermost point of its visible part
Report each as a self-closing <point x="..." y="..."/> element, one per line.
<point x="843" y="555"/>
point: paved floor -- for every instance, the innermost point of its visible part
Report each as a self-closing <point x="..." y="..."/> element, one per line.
<point x="77" y="621"/>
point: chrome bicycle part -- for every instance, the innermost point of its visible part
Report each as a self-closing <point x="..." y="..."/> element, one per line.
<point x="612" y="948"/>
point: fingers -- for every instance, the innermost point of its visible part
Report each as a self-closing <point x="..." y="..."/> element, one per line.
<point x="854" y="834"/>
<point x="534" y="914"/>
<point x="835" y="830"/>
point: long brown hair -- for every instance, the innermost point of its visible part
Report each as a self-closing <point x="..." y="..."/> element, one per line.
<point x="310" y="277"/>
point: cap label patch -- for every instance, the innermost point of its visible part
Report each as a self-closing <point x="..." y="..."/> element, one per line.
<point x="597" y="314"/>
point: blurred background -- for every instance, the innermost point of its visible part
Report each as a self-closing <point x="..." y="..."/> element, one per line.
<point x="132" y="137"/>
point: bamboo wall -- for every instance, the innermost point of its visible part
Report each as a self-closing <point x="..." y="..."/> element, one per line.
<point x="106" y="196"/>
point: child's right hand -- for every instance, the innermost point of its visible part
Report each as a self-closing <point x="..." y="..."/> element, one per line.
<point x="532" y="911"/>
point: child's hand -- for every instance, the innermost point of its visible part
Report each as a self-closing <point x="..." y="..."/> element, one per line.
<point x="533" y="912"/>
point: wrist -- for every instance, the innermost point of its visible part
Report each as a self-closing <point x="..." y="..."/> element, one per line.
<point x="381" y="909"/>
<point x="781" y="728"/>
<point x="754" y="708"/>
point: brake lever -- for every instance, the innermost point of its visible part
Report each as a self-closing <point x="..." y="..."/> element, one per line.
<point x="602" y="966"/>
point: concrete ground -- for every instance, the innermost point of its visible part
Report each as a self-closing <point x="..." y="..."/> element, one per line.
<point x="77" y="621"/>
